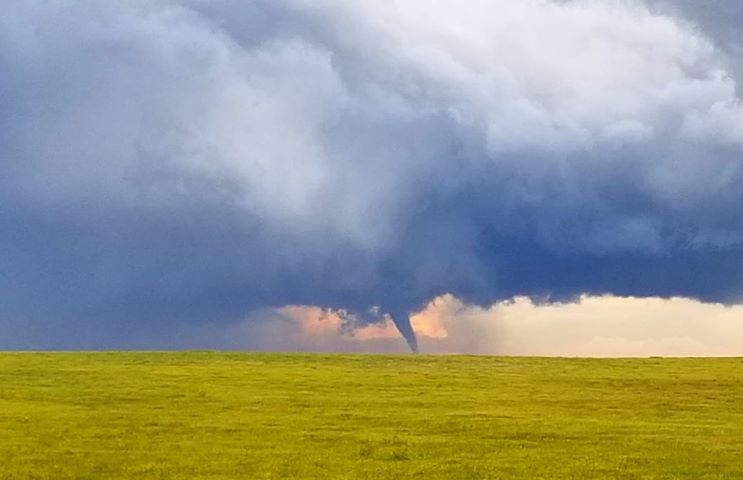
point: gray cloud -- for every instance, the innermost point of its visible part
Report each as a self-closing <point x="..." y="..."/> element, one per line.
<point x="186" y="162"/>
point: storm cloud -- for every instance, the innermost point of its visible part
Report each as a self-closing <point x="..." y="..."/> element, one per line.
<point x="185" y="163"/>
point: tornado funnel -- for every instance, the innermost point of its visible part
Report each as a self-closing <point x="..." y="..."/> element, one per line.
<point x="402" y="322"/>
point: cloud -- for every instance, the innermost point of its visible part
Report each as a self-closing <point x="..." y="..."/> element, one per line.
<point x="605" y="326"/>
<point x="289" y="329"/>
<point x="185" y="163"/>
<point x="591" y="326"/>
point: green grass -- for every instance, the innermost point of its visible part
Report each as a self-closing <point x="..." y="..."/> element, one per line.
<point x="275" y="416"/>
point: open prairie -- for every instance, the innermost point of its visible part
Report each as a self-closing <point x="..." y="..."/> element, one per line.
<point x="298" y="416"/>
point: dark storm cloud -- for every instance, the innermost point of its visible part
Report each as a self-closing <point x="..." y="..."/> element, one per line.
<point x="184" y="162"/>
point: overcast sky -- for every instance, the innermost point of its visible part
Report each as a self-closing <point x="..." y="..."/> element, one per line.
<point x="176" y="171"/>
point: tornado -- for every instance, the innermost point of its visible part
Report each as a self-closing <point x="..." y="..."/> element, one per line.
<point x="402" y="322"/>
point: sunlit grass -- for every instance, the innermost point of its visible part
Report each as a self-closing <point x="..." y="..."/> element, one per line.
<point x="260" y="416"/>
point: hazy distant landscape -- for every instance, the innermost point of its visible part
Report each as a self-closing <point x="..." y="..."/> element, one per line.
<point x="299" y="416"/>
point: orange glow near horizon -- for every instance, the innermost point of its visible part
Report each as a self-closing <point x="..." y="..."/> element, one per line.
<point x="590" y="326"/>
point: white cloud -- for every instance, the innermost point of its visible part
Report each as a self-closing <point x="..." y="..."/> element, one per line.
<point x="603" y="326"/>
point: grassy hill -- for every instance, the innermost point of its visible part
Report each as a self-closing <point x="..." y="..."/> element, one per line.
<point x="276" y="416"/>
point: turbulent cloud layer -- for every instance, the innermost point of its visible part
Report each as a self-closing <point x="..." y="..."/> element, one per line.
<point x="184" y="162"/>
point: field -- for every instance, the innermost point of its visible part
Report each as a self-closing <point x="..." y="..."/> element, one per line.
<point x="278" y="416"/>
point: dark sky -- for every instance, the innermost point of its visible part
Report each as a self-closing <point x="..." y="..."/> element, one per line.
<point x="186" y="164"/>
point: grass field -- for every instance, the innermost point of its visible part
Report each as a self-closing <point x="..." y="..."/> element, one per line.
<point x="261" y="416"/>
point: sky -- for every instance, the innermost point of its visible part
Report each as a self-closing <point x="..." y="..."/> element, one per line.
<point x="521" y="177"/>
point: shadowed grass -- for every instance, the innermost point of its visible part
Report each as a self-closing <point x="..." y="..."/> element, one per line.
<point x="278" y="416"/>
